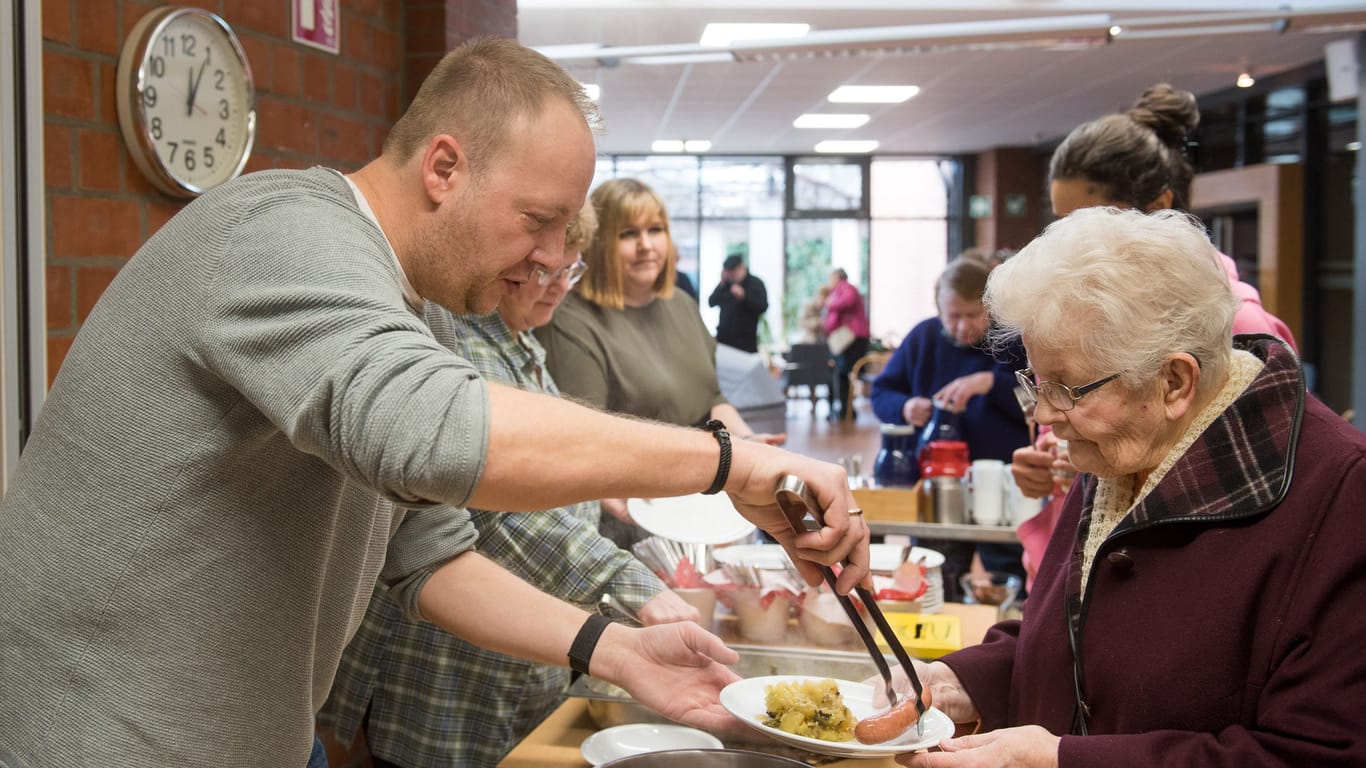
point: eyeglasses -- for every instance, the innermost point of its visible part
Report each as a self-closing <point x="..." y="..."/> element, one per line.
<point x="573" y="272"/>
<point x="1060" y="396"/>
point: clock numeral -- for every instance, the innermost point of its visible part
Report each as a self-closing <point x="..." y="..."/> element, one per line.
<point x="220" y="138"/>
<point x="208" y="157"/>
<point x="174" y="145"/>
<point x="187" y="44"/>
<point x="156" y="128"/>
<point x="149" y="96"/>
<point x="218" y="77"/>
<point x="168" y="45"/>
<point x="158" y="66"/>
<point x="189" y="160"/>
<point x="223" y="108"/>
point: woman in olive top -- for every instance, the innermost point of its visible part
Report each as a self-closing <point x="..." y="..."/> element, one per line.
<point x="625" y="340"/>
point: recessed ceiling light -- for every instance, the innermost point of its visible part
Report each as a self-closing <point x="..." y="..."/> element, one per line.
<point x="873" y="94"/>
<point x="718" y="35"/>
<point x="710" y="57"/>
<point x="592" y="90"/>
<point x="696" y="145"/>
<point x="667" y="145"/>
<point x="1245" y="79"/>
<point x="846" y="147"/>
<point x="821" y="120"/>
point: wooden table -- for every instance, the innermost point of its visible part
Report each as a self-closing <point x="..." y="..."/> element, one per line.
<point x="555" y="742"/>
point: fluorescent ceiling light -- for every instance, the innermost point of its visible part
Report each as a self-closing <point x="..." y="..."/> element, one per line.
<point x="679" y="145"/>
<point x="592" y="90"/>
<point x="873" y="94"/>
<point x="718" y="35"/>
<point x="846" y="147"/>
<point x="820" y="120"/>
<point x="710" y="57"/>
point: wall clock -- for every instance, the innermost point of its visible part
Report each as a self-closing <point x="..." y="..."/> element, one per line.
<point x="186" y="100"/>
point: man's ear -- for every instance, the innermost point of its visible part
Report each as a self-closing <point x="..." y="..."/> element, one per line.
<point x="444" y="168"/>
<point x="1180" y="377"/>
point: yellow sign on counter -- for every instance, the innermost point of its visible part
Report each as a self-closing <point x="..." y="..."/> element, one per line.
<point x="926" y="635"/>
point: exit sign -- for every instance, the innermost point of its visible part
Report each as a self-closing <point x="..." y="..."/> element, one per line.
<point x="317" y="23"/>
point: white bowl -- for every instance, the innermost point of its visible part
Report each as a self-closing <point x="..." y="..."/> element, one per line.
<point x="639" y="738"/>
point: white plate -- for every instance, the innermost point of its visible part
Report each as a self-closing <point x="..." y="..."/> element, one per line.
<point x="626" y="740"/>
<point x="771" y="557"/>
<point x="886" y="557"/>
<point x="695" y="519"/>
<point x="745" y="700"/>
<point x="765" y="557"/>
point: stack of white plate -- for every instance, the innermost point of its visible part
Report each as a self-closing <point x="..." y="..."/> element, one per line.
<point x="886" y="557"/>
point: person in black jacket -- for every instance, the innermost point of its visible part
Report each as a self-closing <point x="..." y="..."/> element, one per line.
<point x="743" y="301"/>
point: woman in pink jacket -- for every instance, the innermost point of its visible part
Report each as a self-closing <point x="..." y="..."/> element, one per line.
<point x="846" y="330"/>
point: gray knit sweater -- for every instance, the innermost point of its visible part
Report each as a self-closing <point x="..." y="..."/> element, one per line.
<point x="197" y="522"/>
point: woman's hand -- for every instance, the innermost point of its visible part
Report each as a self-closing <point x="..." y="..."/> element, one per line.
<point x="917" y="411"/>
<point x="1032" y="470"/>
<point x="617" y="508"/>
<point x="767" y="438"/>
<point x="956" y="394"/>
<point x="941" y="685"/>
<point x="667" y="607"/>
<point x="1028" y="746"/>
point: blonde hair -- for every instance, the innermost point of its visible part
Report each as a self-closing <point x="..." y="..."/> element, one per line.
<point x="580" y="231"/>
<point x="1123" y="288"/>
<point x="617" y="203"/>
<point x="476" y="91"/>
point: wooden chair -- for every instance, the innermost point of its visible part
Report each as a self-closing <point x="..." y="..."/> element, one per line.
<point x="864" y="371"/>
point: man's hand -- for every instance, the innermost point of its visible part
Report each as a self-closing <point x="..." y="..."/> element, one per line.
<point x="737" y="290"/>
<point x="756" y="470"/>
<point x="917" y="411"/>
<point x="675" y="669"/>
<point x="956" y="394"/>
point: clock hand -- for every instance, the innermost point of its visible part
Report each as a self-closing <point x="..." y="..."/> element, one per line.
<point x="189" y="98"/>
<point x="194" y="87"/>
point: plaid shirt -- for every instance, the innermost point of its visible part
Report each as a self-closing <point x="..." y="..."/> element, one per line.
<point x="435" y="700"/>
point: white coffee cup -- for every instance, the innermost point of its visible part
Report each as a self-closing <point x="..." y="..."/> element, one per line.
<point x="987" y="484"/>
<point x="1018" y="506"/>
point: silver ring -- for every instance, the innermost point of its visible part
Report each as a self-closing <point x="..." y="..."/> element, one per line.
<point x="855" y="512"/>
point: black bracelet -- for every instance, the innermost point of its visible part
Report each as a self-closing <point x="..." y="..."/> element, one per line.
<point x="718" y="430"/>
<point x="581" y="650"/>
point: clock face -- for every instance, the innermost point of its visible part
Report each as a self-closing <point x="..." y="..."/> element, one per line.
<point x="187" y="106"/>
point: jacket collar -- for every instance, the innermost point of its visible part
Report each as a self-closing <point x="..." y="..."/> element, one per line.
<point x="1241" y="465"/>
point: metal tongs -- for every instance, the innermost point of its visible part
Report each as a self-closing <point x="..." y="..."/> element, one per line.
<point x="797" y="501"/>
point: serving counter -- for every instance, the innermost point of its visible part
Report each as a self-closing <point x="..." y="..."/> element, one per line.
<point x="555" y="742"/>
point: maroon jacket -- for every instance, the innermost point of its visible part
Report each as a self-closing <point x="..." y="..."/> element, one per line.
<point x="1224" y="622"/>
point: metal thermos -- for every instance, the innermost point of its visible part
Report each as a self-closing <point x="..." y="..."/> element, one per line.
<point x="943" y="499"/>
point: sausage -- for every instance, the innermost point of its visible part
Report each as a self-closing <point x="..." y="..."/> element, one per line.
<point x="888" y="725"/>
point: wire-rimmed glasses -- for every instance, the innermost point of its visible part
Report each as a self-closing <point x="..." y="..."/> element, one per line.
<point x="1060" y="396"/>
<point x="573" y="272"/>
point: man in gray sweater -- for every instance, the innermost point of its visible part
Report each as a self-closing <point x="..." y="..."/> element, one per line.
<point x="254" y="424"/>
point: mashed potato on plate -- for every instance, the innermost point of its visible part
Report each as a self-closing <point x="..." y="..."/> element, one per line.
<point x="810" y="708"/>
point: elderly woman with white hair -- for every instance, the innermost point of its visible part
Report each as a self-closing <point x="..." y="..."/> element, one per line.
<point x="1200" y="602"/>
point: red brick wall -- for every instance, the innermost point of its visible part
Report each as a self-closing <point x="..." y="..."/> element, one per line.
<point x="312" y="108"/>
<point x="1011" y="171"/>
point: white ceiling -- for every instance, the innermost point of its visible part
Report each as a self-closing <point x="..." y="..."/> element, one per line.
<point x="973" y="98"/>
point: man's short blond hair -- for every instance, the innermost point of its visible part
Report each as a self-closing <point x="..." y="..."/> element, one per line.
<point x="476" y="91"/>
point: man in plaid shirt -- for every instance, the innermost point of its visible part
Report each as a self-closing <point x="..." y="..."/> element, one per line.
<point x="428" y="698"/>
